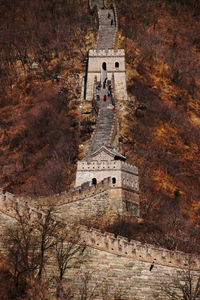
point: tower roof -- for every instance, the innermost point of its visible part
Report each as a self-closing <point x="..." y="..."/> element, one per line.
<point x="107" y="153"/>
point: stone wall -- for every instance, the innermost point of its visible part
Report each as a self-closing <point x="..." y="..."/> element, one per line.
<point x="120" y="275"/>
<point x="114" y="136"/>
<point x="90" y="207"/>
<point x="121" y="246"/>
<point x="75" y="194"/>
<point x="83" y="203"/>
<point x="124" y="267"/>
<point x="115" y="262"/>
<point x="120" y="86"/>
<point x="107" y="241"/>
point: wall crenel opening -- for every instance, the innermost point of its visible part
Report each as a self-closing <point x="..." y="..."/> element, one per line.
<point x="113" y="180"/>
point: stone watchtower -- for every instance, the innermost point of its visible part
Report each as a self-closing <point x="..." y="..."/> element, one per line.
<point x="124" y="187"/>
<point x="108" y="64"/>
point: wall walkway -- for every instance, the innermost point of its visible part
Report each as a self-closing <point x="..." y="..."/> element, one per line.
<point x="104" y="104"/>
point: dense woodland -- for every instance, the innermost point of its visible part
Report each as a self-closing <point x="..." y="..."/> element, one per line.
<point x="43" y="53"/>
<point x="162" y="132"/>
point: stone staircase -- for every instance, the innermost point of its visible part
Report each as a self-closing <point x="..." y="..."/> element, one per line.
<point x="105" y="119"/>
<point x="106" y="34"/>
<point x="107" y="25"/>
<point x="103" y="129"/>
<point x="106" y="109"/>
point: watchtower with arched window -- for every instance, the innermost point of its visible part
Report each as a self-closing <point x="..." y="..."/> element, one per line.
<point x="107" y="163"/>
<point x="106" y="64"/>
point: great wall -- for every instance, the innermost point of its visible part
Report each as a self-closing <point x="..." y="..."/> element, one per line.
<point x="106" y="183"/>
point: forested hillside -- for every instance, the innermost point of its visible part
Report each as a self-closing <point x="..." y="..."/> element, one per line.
<point x="43" y="51"/>
<point x="162" y="129"/>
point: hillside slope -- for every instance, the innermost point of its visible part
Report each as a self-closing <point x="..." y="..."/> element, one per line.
<point x="44" y="49"/>
<point x="161" y="133"/>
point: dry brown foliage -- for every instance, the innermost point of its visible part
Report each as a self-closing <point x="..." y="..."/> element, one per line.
<point x="161" y="134"/>
<point x="42" y="54"/>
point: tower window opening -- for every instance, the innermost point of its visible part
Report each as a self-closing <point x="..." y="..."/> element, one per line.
<point x="113" y="180"/>
<point x="104" y="66"/>
<point x="94" y="181"/>
<point x="117" y="65"/>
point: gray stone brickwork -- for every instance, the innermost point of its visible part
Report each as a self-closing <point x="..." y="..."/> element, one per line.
<point x="130" y="278"/>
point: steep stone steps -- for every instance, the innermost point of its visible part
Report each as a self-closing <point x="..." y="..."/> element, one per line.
<point x="103" y="129"/>
<point x="105" y="41"/>
<point x="106" y="30"/>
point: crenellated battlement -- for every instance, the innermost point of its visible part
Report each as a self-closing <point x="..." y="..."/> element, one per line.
<point x="109" y="242"/>
<point x="106" y="165"/>
<point x="84" y="191"/>
<point x="98" y="165"/>
<point x="136" y="250"/>
<point x="107" y="53"/>
<point x="129" y="167"/>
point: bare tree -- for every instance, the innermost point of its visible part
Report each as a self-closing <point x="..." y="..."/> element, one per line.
<point x="22" y="247"/>
<point x="47" y="228"/>
<point x="86" y="291"/>
<point x="69" y="253"/>
<point x="33" y="239"/>
<point x="185" y="285"/>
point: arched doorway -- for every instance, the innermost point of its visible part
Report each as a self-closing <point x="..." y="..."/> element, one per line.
<point x="104" y="74"/>
<point x="104" y="66"/>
